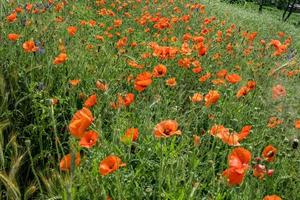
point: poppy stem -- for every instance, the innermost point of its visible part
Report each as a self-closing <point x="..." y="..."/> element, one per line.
<point x="69" y="186"/>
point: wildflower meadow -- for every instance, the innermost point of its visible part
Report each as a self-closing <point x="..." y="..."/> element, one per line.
<point x="147" y="99"/>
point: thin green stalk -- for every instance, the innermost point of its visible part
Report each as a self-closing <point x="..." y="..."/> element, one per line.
<point x="55" y="133"/>
<point x="32" y="166"/>
<point x="161" y="167"/>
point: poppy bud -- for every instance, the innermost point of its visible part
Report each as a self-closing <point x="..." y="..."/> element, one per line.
<point x="270" y="172"/>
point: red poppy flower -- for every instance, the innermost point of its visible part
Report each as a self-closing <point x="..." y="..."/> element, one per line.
<point x="72" y="30"/>
<point x="89" y="139"/>
<point x="134" y="64"/>
<point x="244" y="132"/>
<point x="171" y="82"/>
<point x="130" y="135"/>
<point x="61" y="58"/>
<point x="74" y="82"/>
<point x="65" y="163"/>
<point x="222" y="73"/>
<point x="243" y="91"/>
<point x="159" y="71"/>
<point x="166" y="128"/>
<point x="91" y="101"/>
<point x="122" y="42"/>
<point x="211" y="98"/>
<point x="196" y="140"/>
<point x="142" y="81"/>
<point x="13" y="36"/>
<point x="297" y="124"/>
<point x="233" y="78"/>
<point x="12" y="17"/>
<point x="259" y="171"/>
<point x="101" y="86"/>
<point x="251" y="85"/>
<point x="231" y="139"/>
<point x="272" y="197"/>
<point x="128" y="99"/>
<point x="110" y="164"/>
<point x="269" y="153"/>
<point x="274" y="121"/>
<point x="81" y="120"/>
<point x="197" y="97"/>
<point x="278" y="91"/>
<point x="205" y="77"/>
<point x="29" y="46"/>
<point x="238" y="161"/>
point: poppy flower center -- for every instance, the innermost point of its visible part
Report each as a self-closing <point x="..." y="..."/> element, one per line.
<point x="111" y="165"/>
<point x="167" y="131"/>
<point x="270" y="154"/>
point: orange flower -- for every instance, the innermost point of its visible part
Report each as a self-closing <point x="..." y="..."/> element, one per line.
<point x="110" y="164"/>
<point x="74" y="82"/>
<point x="243" y="91"/>
<point x="18" y="9"/>
<point x="273" y="122"/>
<point x="197" y="97"/>
<point x="81" y="120"/>
<point x="61" y="58"/>
<point x="205" y="77"/>
<point x="251" y="85"/>
<point x="99" y="37"/>
<point x="117" y="22"/>
<point x="211" y="98"/>
<point x="122" y="42"/>
<point x="197" y="70"/>
<point x="134" y="64"/>
<point x="65" y="163"/>
<point x="91" y="101"/>
<point x="218" y="81"/>
<point x="12" y="17"/>
<point x="272" y="197"/>
<point x="72" y="30"/>
<point x="233" y="78"/>
<point x="196" y="140"/>
<point x="13" y="37"/>
<point x="238" y="161"/>
<point x="142" y="81"/>
<point x="297" y="124"/>
<point x="231" y="139"/>
<point x="171" y="82"/>
<point x="166" y="128"/>
<point x="130" y="135"/>
<point x="269" y="153"/>
<point x="184" y="62"/>
<point x="159" y="71"/>
<point x="128" y="99"/>
<point x="259" y="171"/>
<point x="89" y="139"/>
<point x="278" y="91"/>
<point x="244" y="132"/>
<point x="222" y="73"/>
<point x="101" y="86"/>
<point x="29" y="46"/>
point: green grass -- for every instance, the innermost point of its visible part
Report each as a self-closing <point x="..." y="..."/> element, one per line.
<point x="35" y="132"/>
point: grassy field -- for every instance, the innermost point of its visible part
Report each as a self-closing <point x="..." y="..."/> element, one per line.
<point x="148" y="100"/>
<point x="271" y="12"/>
